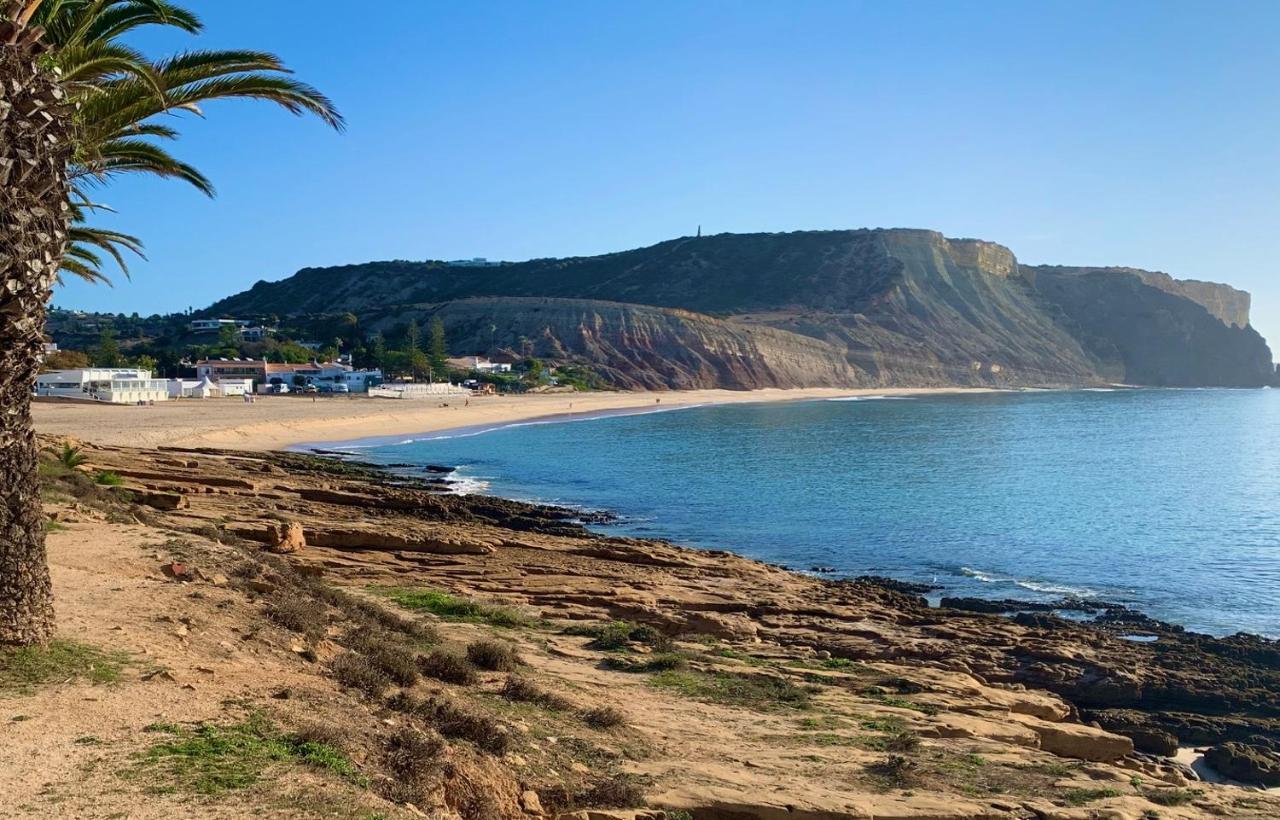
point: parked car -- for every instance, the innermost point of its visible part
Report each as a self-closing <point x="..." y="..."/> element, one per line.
<point x="311" y="388"/>
<point x="341" y="388"/>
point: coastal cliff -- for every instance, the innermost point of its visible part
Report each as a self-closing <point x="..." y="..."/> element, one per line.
<point x="882" y="307"/>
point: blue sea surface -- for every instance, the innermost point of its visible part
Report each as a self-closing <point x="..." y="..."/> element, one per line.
<point x="1165" y="500"/>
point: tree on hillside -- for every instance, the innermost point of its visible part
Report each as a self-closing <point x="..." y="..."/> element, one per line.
<point x="438" y="350"/>
<point x="81" y="108"/>
<point x="107" y="353"/>
<point x="65" y="360"/>
<point x="377" y="353"/>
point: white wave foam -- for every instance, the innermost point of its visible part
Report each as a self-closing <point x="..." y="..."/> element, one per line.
<point x="1029" y="584"/>
<point x="873" y="398"/>
<point x="466" y="485"/>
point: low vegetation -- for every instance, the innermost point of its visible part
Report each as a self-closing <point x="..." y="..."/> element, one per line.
<point x="760" y="692"/>
<point x="455" y="721"/>
<point x="23" y="669"/>
<point x="604" y="717"/>
<point x="495" y="656"/>
<point x="523" y="690"/>
<point x="210" y="759"/>
<point x="448" y="666"/>
<point x="454" y="608"/>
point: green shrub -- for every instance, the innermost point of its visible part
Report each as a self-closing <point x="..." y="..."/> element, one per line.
<point x="108" y="478"/>
<point x="1079" y="797"/>
<point x="71" y="457"/>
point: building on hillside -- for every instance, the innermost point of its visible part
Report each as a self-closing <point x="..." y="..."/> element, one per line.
<point x="114" y="385"/>
<point x="215" y="325"/>
<point x="479" y="364"/>
<point x="50" y="347"/>
<point x="473" y="262"/>
<point x="206" y="389"/>
<point x="256" y="334"/>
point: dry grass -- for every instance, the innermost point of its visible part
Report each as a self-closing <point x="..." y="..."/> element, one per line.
<point x="297" y="614"/>
<point x="496" y="656"/>
<point x="523" y="690"/>
<point x="415" y="759"/>
<point x="448" y="666"/>
<point x="357" y="672"/>
<point x="456" y="721"/>
<point x="604" y="717"/>
<point x="618" y="792"/>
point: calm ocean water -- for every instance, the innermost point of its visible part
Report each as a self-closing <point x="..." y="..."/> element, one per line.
<point x="1166" y="500"/>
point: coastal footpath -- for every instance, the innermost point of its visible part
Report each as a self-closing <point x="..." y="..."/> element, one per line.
<point x="274" y="632"/>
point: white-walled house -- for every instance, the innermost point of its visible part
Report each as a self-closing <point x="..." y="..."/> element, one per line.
<point x="206" y="389"/>
<point x="115" y="385"/>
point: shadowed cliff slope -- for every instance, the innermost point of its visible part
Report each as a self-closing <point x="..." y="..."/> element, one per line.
<point x="810" y="308"/>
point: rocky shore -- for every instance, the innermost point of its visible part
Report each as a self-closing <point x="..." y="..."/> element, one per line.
<point x="752" y="692"/>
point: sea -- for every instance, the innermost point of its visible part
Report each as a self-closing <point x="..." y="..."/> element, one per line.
<point x="1167" y="501"/>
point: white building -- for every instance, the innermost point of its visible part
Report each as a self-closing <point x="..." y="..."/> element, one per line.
<point x="417" y="390"/>
<point x="480" y="365"/>
<point x="205" y="389"/>
<point x="116" y="385"/>
<point x="215" y="325"/>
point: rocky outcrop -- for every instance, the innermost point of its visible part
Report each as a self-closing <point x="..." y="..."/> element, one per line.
<point x="806" y="309"/>
<point x="1247" y="763"/>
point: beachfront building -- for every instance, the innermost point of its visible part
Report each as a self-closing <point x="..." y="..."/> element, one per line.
<point x="418" y="390"/>
<point x="206" y="389"/>
<point x="114" y="385"/>
<point x="215" y="370"/>
<point x="270" y="375"/>
<point x="327" y="376"/>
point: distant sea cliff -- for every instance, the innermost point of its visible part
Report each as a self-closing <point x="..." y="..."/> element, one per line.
<point x="851" y="308"/>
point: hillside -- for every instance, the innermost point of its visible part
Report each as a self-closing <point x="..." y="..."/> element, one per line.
<point x="811" y="308"/>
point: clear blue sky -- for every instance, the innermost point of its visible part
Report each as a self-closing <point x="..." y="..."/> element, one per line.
<point x="1134" y="133"/>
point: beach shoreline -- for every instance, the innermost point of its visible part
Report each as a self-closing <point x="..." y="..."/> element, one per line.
<point x="283" y="422"/>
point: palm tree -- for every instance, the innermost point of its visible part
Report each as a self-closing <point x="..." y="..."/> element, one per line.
<point x="77" y="109"/>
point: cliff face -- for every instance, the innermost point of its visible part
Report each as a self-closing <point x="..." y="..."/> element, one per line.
<point x="637" y="347"/>
<point x="1147" y="328"/>
<point x="862" y="307"/>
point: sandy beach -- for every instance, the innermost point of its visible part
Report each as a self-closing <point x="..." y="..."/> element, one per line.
<point x="276" y="422"/>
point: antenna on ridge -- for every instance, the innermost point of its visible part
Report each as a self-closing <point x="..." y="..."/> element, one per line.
<point x="699" y="231"/>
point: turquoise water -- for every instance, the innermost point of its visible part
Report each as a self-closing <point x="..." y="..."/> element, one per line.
<point x="1166" y="500"/>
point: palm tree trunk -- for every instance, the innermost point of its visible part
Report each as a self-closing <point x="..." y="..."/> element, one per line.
<point x="34" y="150"/>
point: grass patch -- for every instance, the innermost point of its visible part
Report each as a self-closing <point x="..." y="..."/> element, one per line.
<point x="1080" y="797"/>
<point x="299" y="614"/>
<point x="22" y="669"/>
<point x="108" y="479"/>
<point x="657" y="662"/>
<point x="901" y="703"/>
<point x="210" y="760"/>
<point x="1172" y="797"/>
<point x="615" y="635"/>
<point x="759" y="692"/>
<point x="53" y="526"/>
<point x="455" y="608"/>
